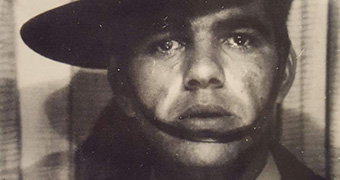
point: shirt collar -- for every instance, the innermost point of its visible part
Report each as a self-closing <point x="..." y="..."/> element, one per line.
<point x="270" y="171"/>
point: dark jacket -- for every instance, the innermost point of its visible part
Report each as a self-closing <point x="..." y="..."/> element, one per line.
<point x="289" y="167"/>
<point x="112" y="153"/>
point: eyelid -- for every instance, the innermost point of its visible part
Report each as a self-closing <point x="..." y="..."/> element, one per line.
<point x="153" y="48"/>
<point x="170" y="39"/>
<point x="255" y="41"/>
<point x="241" y="22"/>
<point x="243" y="31"/>
<point x="253" y="34"/>
<point x="174" y="42"/>
<point x="158" y="37"/>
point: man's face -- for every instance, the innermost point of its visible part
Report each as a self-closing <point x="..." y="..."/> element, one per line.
<point x="202" y="90"/>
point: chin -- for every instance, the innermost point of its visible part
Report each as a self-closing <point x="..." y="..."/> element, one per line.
<point x="184" y="153"/>
<point x="174" y="152"/>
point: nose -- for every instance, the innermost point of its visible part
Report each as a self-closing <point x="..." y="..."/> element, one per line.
<point x="204" y="71"/>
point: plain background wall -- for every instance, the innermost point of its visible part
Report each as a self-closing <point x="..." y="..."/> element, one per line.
<point x="37" y="79"/>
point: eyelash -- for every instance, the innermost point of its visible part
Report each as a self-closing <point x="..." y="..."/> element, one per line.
<point x="250" y="41"/>
<point x="156" y="47"/>
<point x="228" y="40"/>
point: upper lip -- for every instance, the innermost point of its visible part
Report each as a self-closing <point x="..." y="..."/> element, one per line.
<point x="204" y="111"/>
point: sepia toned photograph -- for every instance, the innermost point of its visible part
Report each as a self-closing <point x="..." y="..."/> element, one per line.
<point x="169" y="90"/>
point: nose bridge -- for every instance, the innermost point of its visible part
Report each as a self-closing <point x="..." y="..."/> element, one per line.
<point x="204" y="68"/>
<point x="202" y="39"/>
<point x="204" y="59"/>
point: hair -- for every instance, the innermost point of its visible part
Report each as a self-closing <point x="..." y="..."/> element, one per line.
<point x="278" y="11"/>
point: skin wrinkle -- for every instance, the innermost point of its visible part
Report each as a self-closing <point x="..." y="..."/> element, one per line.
<point x="169" y="97"/>
<point x="153" y="67"/>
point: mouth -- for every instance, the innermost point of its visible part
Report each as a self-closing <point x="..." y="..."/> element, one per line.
<point x="200" y="111"/>
<point x="210" y="124"/>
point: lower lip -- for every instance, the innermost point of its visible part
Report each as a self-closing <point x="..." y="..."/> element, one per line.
<point x="209" y="130"/>
<point x="222" y="124"/>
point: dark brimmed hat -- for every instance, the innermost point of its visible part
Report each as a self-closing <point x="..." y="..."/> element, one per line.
<point x="75" y="33"/>
<point x="81" y="33"/>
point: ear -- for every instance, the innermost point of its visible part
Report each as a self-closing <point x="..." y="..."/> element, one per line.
<point x="288" y="76"/>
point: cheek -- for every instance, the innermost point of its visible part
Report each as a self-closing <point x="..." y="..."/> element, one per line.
<point x="170" y="95"/>
<point x="154" y="82"/>
<point x="262" y="80"/>
<point x="252" y="79"/>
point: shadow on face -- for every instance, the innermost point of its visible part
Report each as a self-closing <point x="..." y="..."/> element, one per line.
<point x="204" y="87"/>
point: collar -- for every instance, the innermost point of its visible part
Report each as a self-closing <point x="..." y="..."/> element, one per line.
<point x="270" y="171"/>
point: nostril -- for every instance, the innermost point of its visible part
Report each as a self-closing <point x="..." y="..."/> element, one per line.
<point x="193" y="83"/>
<point x="215" y="81"/>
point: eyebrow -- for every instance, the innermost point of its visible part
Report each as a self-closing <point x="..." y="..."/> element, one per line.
<point x="234" y="23"/>
<point x="182" y="28"/>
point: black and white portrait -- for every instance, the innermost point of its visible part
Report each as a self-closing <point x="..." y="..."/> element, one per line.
<point x="169" y="90"/>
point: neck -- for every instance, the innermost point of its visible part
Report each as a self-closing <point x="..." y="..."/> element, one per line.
<point x="246" y="168"/>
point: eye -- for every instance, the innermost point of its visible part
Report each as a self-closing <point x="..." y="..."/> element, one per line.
<point x="238" y="41"/>
<point x="167" y="46"/>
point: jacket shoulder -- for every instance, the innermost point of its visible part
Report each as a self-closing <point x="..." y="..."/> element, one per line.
<point x="289" y="167"/>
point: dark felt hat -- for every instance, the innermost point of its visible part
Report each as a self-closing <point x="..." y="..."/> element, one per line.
<point x="82" y="33"/>
<point x="75" y="33"/>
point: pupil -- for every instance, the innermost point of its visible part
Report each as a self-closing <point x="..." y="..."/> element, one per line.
<point x="239" y="40"/>
<point x="167" y="45"/>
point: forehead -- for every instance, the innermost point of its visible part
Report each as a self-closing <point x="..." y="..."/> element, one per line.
<point x="246" y="15"/>
<point x="199" y="10"/>
<point x="196" y="8"/>
<point x="181" y="15"/>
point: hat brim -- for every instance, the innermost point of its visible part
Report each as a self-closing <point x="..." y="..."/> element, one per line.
<point x="70" y="34"/>
<point x="83" y="33"/>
